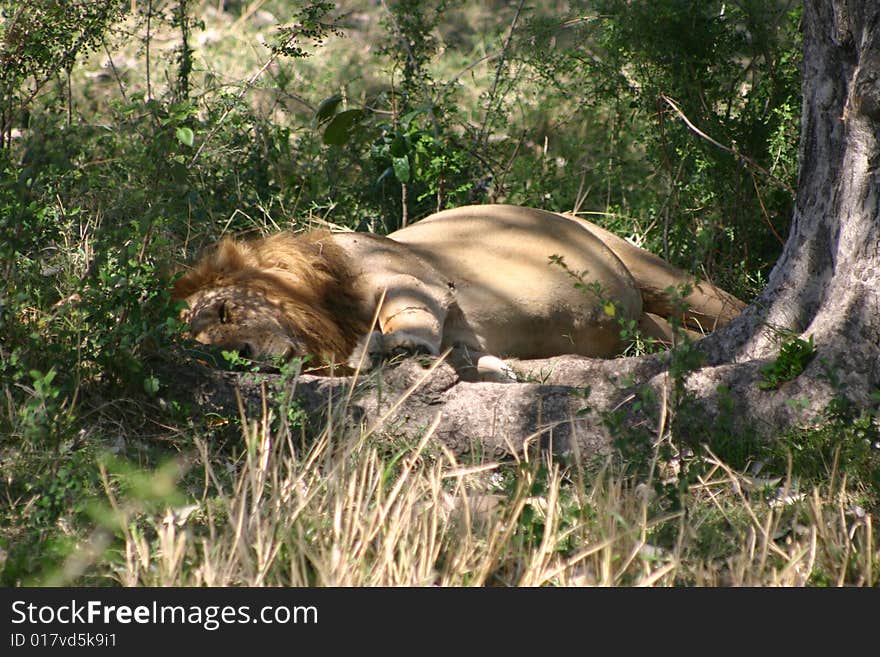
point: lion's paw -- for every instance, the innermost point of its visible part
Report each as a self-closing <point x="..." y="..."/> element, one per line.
<point x="376" y="347"/>
<point x="492" y="368"/>
<point x="405" y="344"/>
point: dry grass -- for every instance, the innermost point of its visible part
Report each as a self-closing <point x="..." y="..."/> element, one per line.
<point x="356" y="508"/>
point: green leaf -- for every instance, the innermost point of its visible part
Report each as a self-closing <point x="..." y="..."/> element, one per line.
<point x="151" y="385"/>
<point x="401" y="168"/>
<point x="398" y="146"/>
<point x="185" y="135"/>
<point x="327" y="108"/>
<point x="341" y="127"/>
<point x="407" y="118"/>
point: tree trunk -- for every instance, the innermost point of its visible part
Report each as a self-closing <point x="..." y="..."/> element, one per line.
<point x="826" y="285"/>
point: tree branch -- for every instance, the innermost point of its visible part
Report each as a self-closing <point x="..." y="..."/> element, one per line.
<point x="745" y="159"/>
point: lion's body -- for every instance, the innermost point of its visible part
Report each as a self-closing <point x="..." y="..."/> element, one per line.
<point x="511" y="300"/>
<point x="477" y="279"/>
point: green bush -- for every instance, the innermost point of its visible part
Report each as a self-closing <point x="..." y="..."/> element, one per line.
<point x="105" y="190"/>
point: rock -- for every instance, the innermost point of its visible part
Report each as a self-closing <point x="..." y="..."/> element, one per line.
<point x="552" y="409"/>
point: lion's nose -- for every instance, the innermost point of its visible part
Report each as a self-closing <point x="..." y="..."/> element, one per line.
<point x="246" y="351"/>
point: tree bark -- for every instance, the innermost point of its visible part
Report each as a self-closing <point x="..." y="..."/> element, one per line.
<point x="826" y="285"/>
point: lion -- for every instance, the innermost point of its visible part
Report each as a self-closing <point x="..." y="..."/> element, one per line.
<point x="485" y="282"/>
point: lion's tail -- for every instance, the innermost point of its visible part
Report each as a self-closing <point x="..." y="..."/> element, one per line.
<point x="708" y="307"/>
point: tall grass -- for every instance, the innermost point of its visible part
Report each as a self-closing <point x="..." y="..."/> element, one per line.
<point x="357" y="507"/>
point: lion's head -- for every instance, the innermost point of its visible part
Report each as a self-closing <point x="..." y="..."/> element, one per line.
<point x="282" y="296"/>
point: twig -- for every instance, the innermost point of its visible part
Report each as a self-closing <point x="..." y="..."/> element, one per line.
<point x="39" y="83"/>
<point x="414" y="63"/>
<point x="147" y="48"/>
<point x="247" y="87"/>
<point x="764" y="211"/>
<point x="581" y="195"/>
<point x="745" y="159"/>
<point x="484" y="135"/>
<point x="474" y="64"/>
<point x="246" y="14"/>
<point x="69" y="91"/>
<point x="499" y="185"/>
<point x="114" y="69"/>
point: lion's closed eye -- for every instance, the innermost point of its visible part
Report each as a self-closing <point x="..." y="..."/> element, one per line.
<point x="223" y="313"/>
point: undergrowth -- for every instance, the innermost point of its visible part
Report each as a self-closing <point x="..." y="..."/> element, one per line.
<point x="133" y="134"/>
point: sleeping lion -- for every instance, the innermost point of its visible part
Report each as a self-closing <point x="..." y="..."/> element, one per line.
<point x="486" y="282"/>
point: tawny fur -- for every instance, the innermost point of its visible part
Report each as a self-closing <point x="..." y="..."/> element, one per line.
<point x="304" y="276"/>
<point x="476" y="279"/>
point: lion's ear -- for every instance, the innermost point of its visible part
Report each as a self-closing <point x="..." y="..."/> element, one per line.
<point x="230" y="256"/>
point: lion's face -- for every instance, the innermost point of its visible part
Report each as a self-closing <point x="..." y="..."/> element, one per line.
<point x="283" y="296"/>
<point x="235" y="317"/>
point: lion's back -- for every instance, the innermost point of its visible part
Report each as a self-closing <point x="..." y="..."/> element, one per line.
<point x="512" y="297"/>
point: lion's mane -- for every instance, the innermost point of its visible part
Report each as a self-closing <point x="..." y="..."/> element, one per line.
<point x="305" y="276"/>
